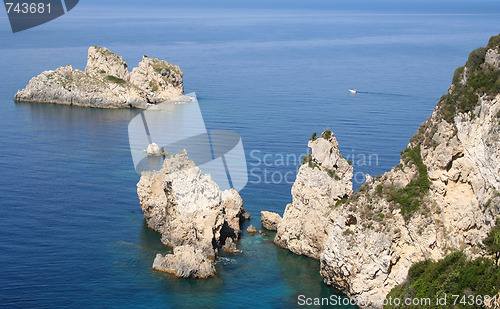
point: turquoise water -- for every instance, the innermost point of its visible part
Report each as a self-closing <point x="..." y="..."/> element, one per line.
<point x="71" y="230"/>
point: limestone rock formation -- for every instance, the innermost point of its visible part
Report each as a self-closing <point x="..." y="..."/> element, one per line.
<point x="101" y="60"/>
<point x="106" y="83"/>
<point x="185" y="262"/>
<point x="323" y="180"/>
<point x="457" y="211"/>
<point x="270" y="220"/>
<point x="156" y="79"/>
<point x="188" y="209"/>
<point x="444" y="194"/>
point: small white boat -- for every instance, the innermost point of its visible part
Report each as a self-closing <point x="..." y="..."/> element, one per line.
<point x="353" y="90"/>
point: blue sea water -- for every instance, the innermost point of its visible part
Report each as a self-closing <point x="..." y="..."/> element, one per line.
<point x="72" y="233"/>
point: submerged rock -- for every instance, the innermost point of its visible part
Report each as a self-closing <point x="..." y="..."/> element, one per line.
<point x="251" y="229"/>
<point x="187" y="207"/>
<point x="246" y="215"/>
<point x="270" y="220"/>
<point x="106" y="83"/>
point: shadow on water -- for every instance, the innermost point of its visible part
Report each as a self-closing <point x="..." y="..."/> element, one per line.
<point x="78" y="131"/>
<point x="74" y="114"/>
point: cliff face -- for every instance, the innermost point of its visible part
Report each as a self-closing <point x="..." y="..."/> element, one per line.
<point x="191" y="213"/>
<point x="444" y="194"/>
<point x="106" y="83"/>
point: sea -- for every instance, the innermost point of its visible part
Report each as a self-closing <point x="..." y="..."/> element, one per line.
<point x="72" y="233"/>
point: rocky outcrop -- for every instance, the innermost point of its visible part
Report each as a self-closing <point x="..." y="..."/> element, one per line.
<point x="251" y="229"/>
<point x="230" y="245"/>
<point x="188" y="209"/>
<point x="444" y="194"/>
<point x="457" y="211"/>
<point x="185" y="262"/>
<point x="101" y="60"/>
<point x="154" y="150"/>
<point x="323" y="180"/>
<point x="492" y="58"/>
<point x="156" y="80"/>
<point x="270" y="220"/>
<point x="106" y="83"/>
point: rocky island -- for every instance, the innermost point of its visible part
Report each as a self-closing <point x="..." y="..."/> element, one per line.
<point x="192" y="214"/>
<point x="443" y="196"/>
<point x="106" y="82"/>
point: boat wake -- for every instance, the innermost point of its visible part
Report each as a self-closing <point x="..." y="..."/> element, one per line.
<point x="385" y="94"/>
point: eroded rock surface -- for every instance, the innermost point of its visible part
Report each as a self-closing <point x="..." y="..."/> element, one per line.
<point x="188" y="209"/>
<point x="373" y="256"/>
<point x="185" y="262"/>
<point x="270" y="220"/>
<point x="321" y="182"/>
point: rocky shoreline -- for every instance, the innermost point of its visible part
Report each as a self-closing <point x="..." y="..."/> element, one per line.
<point x="443" y="196"/>
<point x="106" y="82"/>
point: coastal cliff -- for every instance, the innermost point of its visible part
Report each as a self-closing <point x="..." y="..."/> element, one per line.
<point x="191" y="213"/>
<point x="443" y="196"/>
<point x="106" y="83"/>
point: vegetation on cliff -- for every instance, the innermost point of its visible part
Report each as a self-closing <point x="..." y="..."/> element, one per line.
<point x="478" y="80"/>
<point x="410" y="197"/>
<point x="470" y="82"/>
<point x="492" y="242"/>
<point x="475" y="79"/>
<point x="115" y="79"/>
<point x="455" y="275"/>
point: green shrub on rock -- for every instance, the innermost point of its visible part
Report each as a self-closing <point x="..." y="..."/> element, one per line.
<point x="476" y="58"/>
<point x="327" y="134"/>
<point x="409" y="198"/>
<point x="453" y="275"/>
<point x="115" y="79"/>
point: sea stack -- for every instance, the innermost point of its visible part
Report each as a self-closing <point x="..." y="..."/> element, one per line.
<point x="106" y="83"/>
<point x="191" y="213"/>
<point x="323" y="181"/>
